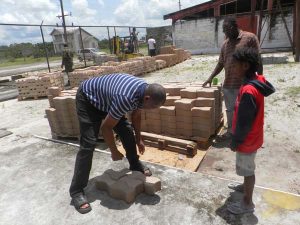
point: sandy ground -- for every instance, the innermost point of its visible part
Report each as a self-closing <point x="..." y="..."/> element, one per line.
<point x="277" y="162"/>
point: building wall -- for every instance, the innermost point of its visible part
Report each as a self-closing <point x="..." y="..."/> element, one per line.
<point x="198" y="36"/>
<point x="206" y="36"/>
<point x="277" y="36"/>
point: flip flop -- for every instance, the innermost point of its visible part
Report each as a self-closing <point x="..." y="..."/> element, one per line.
<point x="79" y="200"/>
<point x="236" y="187"/>
<point x="140" y="167"/>
<point x="240" y="208"/>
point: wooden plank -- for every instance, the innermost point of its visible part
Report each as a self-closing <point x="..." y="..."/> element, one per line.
<point x="170" y="140"/>
<point x="173" y="159"/>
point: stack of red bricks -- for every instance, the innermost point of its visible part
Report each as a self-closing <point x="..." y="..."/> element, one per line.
<point x="190" y="113"/>
<point x="36" y="86"/>
<point x="61" y="114"/>
<point x="149" y="64"/>
<point x="79" y="75"/>
<point x="172" y="55"/>
<point x="160" y="64"/>
<point x="131" y="67"/>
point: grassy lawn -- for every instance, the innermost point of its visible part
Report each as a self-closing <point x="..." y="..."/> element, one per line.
<point x="27" y="60"/>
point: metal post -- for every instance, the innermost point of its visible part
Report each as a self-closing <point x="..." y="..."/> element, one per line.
<point x="46" y="52"/>
<point x="64" y="22"/>
<point x="260" y="20"/>
<point x="82" y="46"/>
<point x="284" y="22"/>
<point x="297" y="40"/>
<point x="115" y="31"/>
<point x="109" y="42"/>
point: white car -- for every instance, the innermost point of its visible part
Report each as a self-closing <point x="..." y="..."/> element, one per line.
<point x="89" y="53"/>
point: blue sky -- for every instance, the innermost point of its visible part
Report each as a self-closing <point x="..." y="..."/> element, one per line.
<point x="84" y="12"/>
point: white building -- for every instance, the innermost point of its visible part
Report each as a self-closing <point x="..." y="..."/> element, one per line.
<point x="74" y="40"/>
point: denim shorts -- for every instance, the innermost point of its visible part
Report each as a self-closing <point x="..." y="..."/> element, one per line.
<point x="245" y="164"/>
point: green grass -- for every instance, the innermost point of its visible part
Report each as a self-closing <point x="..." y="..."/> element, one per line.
<point x="293" y="91"/>
<point x="27" y="60"/>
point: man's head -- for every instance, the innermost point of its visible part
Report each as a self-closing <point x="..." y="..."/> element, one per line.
<point x="154" y="97"/>
<point x="247" y="60"/>
<point x="230" y="27"/>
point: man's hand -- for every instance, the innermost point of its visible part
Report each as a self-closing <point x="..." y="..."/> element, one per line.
<point x="233" y="147"/>
<point x="207" y="82"/>
<point x="116" y="155"/>
<point x="141" y="147"/>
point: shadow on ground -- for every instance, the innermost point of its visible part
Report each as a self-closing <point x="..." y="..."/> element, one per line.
<point x="248" y="218"/>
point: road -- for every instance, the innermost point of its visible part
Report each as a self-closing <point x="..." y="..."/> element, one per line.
<point x="12" y="70"/>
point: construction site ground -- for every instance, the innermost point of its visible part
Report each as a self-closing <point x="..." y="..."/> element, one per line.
<point x="36" y="174"/>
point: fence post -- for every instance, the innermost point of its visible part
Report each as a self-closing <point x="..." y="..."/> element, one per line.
<point x="82" y="46"/>
<point x="46" y="52"/>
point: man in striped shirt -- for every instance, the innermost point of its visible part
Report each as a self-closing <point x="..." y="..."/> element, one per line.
<point x="101" y="103"/>
<point x="235" y="39"/>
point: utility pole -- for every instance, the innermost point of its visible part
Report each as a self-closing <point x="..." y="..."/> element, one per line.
<point x="297" y="45"/>
<point x="64" y="22"/>
<point x="179" y="4"/>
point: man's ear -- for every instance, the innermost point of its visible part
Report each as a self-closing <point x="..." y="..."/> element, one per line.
<point x="146" y="98"/>
<point x="246" y="65"/>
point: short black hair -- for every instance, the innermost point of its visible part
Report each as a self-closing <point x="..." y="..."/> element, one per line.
<point x="250" y="55"/>
<point x="157" y="93"/>
<point x="231" y="20"/>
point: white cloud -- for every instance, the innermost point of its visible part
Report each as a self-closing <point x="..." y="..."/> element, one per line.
<point x="84" y="12"/>
<point x="101" y="2"/>
<point x="149" y="13"/>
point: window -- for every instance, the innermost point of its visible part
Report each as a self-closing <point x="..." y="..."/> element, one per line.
<point x="243" y="6"/>
<point x="228" y="8"/>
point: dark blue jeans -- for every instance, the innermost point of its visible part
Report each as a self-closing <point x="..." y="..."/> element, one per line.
<point x="90" y="119"/>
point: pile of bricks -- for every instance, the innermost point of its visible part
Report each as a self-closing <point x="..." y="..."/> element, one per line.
<point x="36" y="86"/>
<point x="100" y="59"/>
<point x="160" y="64"/>
<point x="170" y="59"/>
<point x="177" y="54"/>
<point x="193" y="113"/>
<point x="131" y="67"/>
<point x="62" y="115"/>
<point x="148" y="63"/>
<point x="79" y="75"/>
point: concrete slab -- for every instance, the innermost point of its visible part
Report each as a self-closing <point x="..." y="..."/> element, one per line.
<point x="35" y="177"/>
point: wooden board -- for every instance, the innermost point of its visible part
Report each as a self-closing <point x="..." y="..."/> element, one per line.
<point x="168" y="158"/>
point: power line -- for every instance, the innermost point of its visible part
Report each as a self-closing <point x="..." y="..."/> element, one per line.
<point x="179" y="4"/>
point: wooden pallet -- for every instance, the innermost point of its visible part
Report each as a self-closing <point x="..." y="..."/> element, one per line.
<point x="173" y="144"/>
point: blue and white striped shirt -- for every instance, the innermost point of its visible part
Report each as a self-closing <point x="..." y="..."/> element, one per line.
<point x="115" y="94"/>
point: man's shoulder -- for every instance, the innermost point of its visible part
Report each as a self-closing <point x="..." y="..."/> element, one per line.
<point x="247" y="34"/>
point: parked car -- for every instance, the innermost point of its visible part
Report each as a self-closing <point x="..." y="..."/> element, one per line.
<point x="89" y="53"/>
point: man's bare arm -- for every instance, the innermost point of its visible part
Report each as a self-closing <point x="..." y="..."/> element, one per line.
<point x="107" y="131"/>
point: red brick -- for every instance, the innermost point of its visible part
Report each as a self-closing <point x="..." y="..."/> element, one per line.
<point x="185" y="104"/>
<point x="206" y="112"/>
<point x="167" y="110"/>
<point x="207" y="93"/>
<point x="170" y="100"/>
<point x="190" y="93"/>
<point x="204" y="102"/>
<point x="152" y="185"/>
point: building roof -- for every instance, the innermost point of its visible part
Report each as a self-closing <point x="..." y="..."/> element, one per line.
<point x="215" y="8"/>
<point x="70" y="30"/>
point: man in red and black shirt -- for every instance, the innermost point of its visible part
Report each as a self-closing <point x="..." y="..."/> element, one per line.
<point x="247" y="124"/>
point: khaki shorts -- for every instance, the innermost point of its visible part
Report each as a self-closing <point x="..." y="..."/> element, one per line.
<point x="245" y="164"/>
